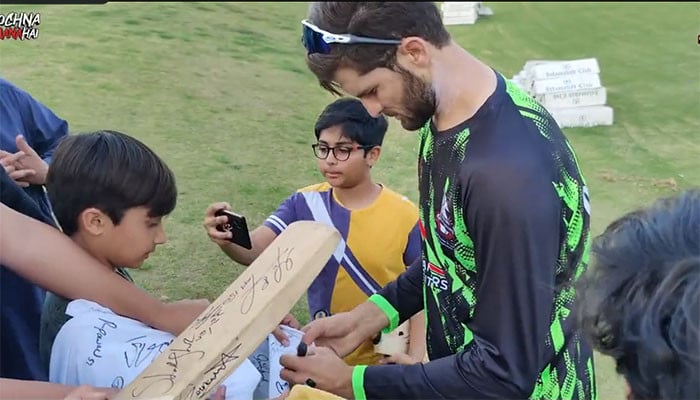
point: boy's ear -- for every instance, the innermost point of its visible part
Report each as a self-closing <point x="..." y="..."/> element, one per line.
<point x="373" y="156"/>
<point x="93" y="221"/>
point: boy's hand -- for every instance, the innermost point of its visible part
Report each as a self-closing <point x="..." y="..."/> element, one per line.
<point x="9" y="161"/>
<point x="220" y="393"/>
<point x="399" y="358"/>
<point x="31" y="162"/>
<point x="211" y="221"/>
<point x="86" y="392"/>
<point x="288" y="320"/>
<point x="25" y="166"/>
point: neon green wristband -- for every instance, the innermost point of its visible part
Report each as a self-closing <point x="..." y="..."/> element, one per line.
<point x="358" y="382"/>
<point x="388" y="310"/>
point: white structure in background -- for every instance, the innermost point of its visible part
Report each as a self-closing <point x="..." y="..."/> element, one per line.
<point x="463" y="12"/>
<point x="570" y="90"/>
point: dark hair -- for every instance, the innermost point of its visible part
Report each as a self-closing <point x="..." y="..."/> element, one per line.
<point x="382" y="20"/>
<point x="110" y="171"/>
<point x="354" y="121"/>
<point x="639" y="301"/>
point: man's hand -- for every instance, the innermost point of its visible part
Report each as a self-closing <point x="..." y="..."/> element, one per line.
<point x="8" y="161"/>
<point x="344" y="332"/>
<point x="86" y="392"/>
<point x="320" y="368"/>
<point x="288" y="320"/>
<point x="211" y="221"/>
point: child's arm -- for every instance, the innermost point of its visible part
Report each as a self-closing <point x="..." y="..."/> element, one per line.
<point x="48" y="258"/>
<point x="416" y="337"/>
<point x="20" y="389"/>
<point x="260" y="238"/>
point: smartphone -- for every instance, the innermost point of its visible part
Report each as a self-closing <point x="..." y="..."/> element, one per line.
<point x="238" y="227"/>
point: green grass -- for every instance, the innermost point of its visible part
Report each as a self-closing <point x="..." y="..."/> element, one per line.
<point x="221" y="92"/>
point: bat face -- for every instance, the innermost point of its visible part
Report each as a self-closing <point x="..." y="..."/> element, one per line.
<point x="233" y="326"/>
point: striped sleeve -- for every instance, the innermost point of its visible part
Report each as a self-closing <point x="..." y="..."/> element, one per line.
<point x="284" y="215"/>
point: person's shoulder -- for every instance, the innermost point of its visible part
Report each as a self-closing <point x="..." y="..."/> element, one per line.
<point x="316" y="187"/>
<point x="5" y="84"/>
<point x="8" y="88"/>
<point x="400" y="201"/>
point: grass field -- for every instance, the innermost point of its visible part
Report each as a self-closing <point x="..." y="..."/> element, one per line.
<point x="221" y="92"/>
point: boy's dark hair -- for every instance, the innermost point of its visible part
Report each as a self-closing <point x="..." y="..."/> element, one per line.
<point x="354" y="121"/>
<point x="382" y="20"/>
<point x="639" y="303"/>
<point x="110" y="171"/>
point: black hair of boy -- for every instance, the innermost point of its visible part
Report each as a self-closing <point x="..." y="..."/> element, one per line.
<point x="354" y="121"/>
<point x="640" y="301"/>
<point x="110" y="171"/>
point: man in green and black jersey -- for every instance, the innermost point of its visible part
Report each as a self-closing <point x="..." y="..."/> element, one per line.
<point x="505" y="220"/>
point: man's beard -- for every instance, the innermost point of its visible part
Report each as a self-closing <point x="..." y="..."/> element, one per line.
<point x="419" y="97"/>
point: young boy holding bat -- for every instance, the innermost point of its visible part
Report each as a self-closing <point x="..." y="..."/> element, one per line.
<point x="109" y="193"/>
<point x="379" y="227"/>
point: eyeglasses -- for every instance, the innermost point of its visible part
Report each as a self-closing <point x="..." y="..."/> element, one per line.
<point x="316" y="40"/>
<point x="341" y="153"/>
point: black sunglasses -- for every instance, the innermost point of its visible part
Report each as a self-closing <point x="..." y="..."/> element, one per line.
<point x="316" y="40"/>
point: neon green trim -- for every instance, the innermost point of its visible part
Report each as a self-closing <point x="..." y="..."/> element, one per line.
<point x="358" y="382"/>
<point x="388" y="310"/>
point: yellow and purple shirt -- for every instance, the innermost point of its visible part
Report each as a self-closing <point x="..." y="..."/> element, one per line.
<point x="378" y="243"/>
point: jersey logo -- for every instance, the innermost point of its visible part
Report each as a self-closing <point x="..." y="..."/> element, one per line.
<point x="445" y="224"/>
<point x="434" y="276"/>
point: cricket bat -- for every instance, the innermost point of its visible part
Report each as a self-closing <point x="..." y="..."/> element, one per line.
<point x="233" y="326"/>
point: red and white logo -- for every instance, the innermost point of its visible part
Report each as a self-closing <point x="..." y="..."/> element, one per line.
<point x="435" y="269"/>
<point x="434" y="276"/>
<point x="19" y="26"/>
<point x="445" y="222"/>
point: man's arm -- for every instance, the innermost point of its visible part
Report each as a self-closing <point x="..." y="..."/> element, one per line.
<point x="403" y="297"/>
<point x="513" y="218"/>
<point x="55" y="263"/>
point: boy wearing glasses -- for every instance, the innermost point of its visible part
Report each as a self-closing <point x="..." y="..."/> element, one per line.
<point x="379" y="227"/>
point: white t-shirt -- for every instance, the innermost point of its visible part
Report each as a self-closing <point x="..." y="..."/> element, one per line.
<point x="100" y="348"/>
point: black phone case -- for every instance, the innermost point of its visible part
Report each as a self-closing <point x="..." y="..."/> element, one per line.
<point x="238" y="226"/>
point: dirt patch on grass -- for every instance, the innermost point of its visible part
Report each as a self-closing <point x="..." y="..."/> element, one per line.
<point x="663" y="183"/>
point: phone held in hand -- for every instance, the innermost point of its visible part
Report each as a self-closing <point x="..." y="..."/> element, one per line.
<point x="238" y="227"/>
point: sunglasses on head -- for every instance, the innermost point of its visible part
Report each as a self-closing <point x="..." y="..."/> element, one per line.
<point x="316" y="40"/>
